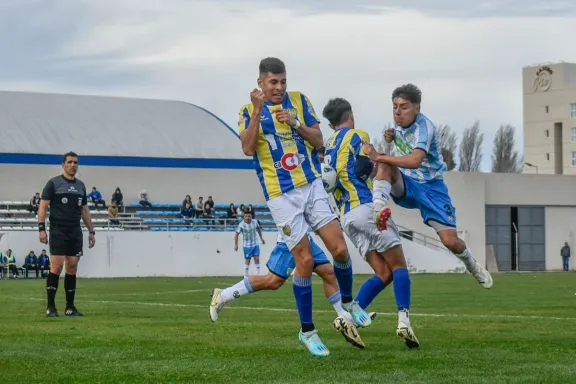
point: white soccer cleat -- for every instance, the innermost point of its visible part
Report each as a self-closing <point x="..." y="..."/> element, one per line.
<point x="482" y="275"/>
<point x="349" y="331"/>
<point x="216" y="304"/>
<point x="407" y="334"/>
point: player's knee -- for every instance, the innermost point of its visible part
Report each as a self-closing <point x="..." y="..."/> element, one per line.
<point x="56" y="269"/>
<point x="71" y="269"/>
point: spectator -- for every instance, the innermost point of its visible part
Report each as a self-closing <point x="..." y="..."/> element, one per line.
<point x="241" y="211"/>
<point x="250" y="210"/>
<point x="208" y="210"/>
<point x="187" y="212"/>
<point x="118" y="197"/>
<point x="144" y="199"/>
<point x="211" y="203"/>
<point x="44" y="263"/>
<point x="34" y="203"/>
<point x="113" y="213"/>
<point x="199" y="208"/>
<point x="10" y="262"/>
<point x="565" y="253"/>
<point x="31" y="263"/>
<point x="96" y="197"/>
<point x="232" y="214"/>
<point x="187" y="200"/>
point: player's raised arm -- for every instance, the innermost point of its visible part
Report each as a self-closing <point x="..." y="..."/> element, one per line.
<point x="250" y="123"/>
<point x="310" y="128"/>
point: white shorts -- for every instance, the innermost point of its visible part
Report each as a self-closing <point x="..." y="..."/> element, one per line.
<point x="359" y="226"/>
<point x="300" y="209"/>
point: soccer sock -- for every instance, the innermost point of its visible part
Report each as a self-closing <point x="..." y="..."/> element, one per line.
<point x="336" y="301"/>
<point x="52" y="288"/>
<point x="70" y="288"/>
<point x="466" y="258"/>
<point x="246" y="269"/>
<point x="369" y="290"/>
<point x="381" y="194"/>
<point x="302" y="287"/>
<point x="343" y="272"/>
<point x="257" y="268"/>
<point x="402" y="289"/>
<point x="238" y="290"/>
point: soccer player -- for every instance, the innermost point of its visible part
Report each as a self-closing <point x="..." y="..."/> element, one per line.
<point x="415" y="179"/>
<point x="280" y="129"/>
<point x="249" y="227"/>
<point x="382" y="250"/>
<point x="65" y="195"/>
<point x="280" y="266"/>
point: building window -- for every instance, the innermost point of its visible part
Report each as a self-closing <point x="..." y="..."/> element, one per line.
<point x="547" y="133"/>
<point x="573" y="134"/>
<point x="547" y="109"/>
<point x="574" y="159"/>
<point x="547" y="156"/>
<point x="573" y="110"/>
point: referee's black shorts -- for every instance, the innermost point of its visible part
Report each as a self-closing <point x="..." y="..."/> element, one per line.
<point x="66" y="241"/>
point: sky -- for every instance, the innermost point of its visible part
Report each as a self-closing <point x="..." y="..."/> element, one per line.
<point x="466" y="57"/>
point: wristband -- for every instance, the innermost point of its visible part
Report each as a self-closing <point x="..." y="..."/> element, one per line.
<point x="41" y="227"/>
<point x="92" y="233"/>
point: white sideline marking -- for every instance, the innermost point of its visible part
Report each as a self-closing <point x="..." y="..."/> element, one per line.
<point x="146" y="293"/>
<point x="206" y="306"/>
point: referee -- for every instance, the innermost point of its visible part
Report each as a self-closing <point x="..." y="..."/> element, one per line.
<point x="65" y="195"/>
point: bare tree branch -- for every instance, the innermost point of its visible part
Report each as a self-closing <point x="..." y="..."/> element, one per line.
<point x="505" y="159"/>
<point x="448" y="143"/>
<point x="471" y="149"/>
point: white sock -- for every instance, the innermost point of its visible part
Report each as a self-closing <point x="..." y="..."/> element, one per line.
<point x="338" y="308"/>
<point x="403" y="317"/>
<point x="466" y="258"/>
<point x="381" y="193"/>
<point x="258" y="268"/>
<point x="235" y="291"/>
<point x="246" y="269"/>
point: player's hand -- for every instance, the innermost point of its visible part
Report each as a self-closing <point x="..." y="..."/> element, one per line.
<point x="389" y="135"/>
<point x="91" y="240"/>
<point x="283" y="116"/>
<point x="257" y="98"/>
<point x="43" y="237"/>
<point x="236" y="248"/>
<point x="370" y="151"/>
<point x="263" y="242"/>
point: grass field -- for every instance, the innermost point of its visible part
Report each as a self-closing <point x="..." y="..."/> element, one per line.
<point x="153" y="330"/>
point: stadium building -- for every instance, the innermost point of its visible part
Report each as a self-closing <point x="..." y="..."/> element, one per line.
<point x="173" y="148"/>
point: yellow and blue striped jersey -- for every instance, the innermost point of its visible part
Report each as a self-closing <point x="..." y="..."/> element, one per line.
<point x="283" y="159"/>
<point x="342" y="150"/>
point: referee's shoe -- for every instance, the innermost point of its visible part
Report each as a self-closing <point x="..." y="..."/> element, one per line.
<point x="53" y="312"/>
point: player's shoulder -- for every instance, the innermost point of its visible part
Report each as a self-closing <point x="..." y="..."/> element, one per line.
<point x="365" y="136"/>
<point x="423" y="121"/>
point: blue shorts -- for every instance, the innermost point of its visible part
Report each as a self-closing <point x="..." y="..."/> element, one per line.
<point x="431" y="198"/>
<point x="250" y="252"/>
<point x="281" y="262"/>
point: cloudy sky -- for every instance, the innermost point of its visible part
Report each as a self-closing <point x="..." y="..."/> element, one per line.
<point x="466" y="57"/>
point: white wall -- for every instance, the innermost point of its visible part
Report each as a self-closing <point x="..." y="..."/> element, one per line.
<point x="560" y="228"/>
<point x="139" y="254"/>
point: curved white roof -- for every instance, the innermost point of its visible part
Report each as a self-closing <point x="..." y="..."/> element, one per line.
<point x="43" y="123"/>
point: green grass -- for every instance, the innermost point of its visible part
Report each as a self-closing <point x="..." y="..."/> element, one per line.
<point x="154" y="330"/>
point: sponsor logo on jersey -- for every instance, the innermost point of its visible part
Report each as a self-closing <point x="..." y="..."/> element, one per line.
<point x="290" y="161"/>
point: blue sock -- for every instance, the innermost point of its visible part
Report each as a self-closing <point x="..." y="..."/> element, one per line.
<point x="402" y="288"/>
<point x="343" y="272"/>
<point x="303" y="294"/>
<point x="336" y="297"/>
<point x="369" y="290"/>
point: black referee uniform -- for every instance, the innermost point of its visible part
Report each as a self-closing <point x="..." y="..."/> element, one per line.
<point x="67" y="198"/>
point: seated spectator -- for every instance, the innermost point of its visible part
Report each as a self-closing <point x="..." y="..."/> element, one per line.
<point x="44" y="263"/>
<point x="96" y="197"/>
<point x="199" y="207"/>
<point x="211" y="203"/>
<point x="144" y="199"/>
<point x="241" y="211"/>
<point x="34" y="203"/>
<point x="118" y="197"/>
<point x="187" y="212"/>
<point x="10" y="262"/>
<point x="250" y="210"/>
<point x="187" y="200"/>
<point x="113" y="213"/>
<point x="31" y="264"/>
<point x="232" y="214"/>
<point x="208" y="210"/>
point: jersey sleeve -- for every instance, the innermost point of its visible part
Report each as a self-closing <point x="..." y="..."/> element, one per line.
<point x="84" y="197"/>
<point x="243" y="119"/>
<point x="48" y="191"/>
<point x="310" y="116"/>
<point x="425" y="135"/>
<point x="239" y="229"/>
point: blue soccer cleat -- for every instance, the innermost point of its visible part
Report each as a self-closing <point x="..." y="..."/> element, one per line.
<point x="312" y="341"/>
<point x="360" y="317"/>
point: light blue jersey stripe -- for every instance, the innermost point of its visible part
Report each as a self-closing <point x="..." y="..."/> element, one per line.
<point x="249" y="233"/>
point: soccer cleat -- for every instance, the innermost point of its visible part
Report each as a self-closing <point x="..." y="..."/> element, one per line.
<point x="216" y="304"/>
<point x="51" y="312"/>
<point x="349" y="331"/>
<point x="312" y="341"/>
<point x="407" y="334"/>
<point x="381" y="218"/>
<point x="72" y="311"/>
<point x="372" y="315"/>
<point x="482" y="275"/>
<point x="360" y="317"/>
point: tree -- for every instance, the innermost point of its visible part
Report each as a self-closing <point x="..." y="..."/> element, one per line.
<point x="448" y="143"/>
<point x="505" y="159"/>
<point x="471" y="149"/>
<point x="379" y="144"/>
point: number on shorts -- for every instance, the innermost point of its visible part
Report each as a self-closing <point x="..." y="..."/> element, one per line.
<point x="272" y="141"/>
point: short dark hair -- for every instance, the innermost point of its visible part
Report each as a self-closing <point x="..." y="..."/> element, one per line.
<point x="67" y="155"/>
<point x="272" y="65"/>
<point x="337" y="111"/>
<point x="409" y="92"/>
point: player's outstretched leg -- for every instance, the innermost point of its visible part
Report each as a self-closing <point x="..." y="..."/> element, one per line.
<point x="221" y="297"/>
<point x="381" y="194"/>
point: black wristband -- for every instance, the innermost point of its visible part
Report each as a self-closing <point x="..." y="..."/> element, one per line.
<point x="91" y="233"/>
<point x="41" y="227"/>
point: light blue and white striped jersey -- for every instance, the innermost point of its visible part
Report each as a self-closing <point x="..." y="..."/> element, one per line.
<point x="422" y="134"/>
<point x="249" y="233"/>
